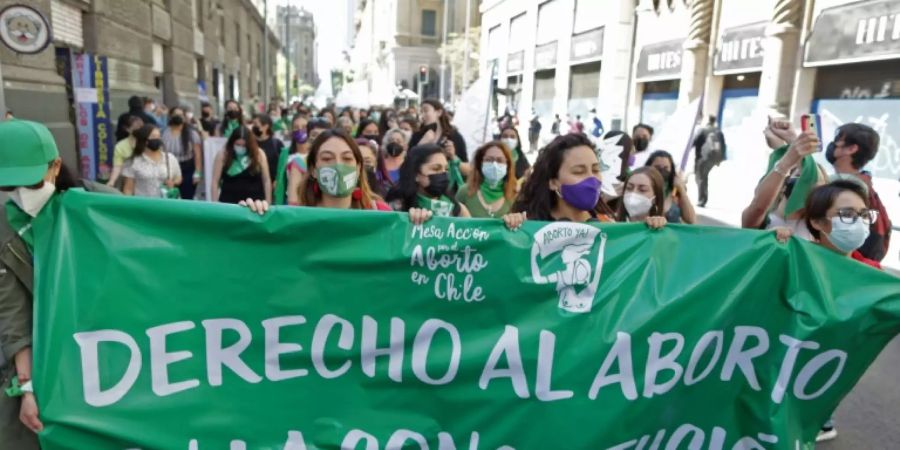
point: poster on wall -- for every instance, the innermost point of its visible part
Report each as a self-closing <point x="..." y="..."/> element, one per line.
<point x="88" y="77"/>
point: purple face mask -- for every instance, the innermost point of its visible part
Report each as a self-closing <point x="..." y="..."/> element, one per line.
<point x="300" y="136"/>
<point x="631" y="160"/>
<point x="582" y="195"/>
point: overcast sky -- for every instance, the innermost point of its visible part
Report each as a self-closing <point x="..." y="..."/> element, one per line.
<point x="331" y="30"/>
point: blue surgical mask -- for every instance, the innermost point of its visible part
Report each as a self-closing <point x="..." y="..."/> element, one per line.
<point x="240" y="150"/>
<point x="848" y="237"/>
<point x="494" y="173"/>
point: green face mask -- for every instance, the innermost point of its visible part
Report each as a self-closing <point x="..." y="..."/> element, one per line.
<point x="338" y="180"/>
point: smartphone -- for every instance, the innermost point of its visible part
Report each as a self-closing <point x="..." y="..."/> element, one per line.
<point x="811" y="122"/>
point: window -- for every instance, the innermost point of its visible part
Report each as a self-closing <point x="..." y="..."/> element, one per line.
<point x="588" y="15"/>
<point x="429" y="19"/>
<point x="237" y="38"/>
<point x="550" y="16"/>
<point x="517" y="33"/>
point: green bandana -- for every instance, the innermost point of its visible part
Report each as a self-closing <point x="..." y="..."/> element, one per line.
<point x="441" y="207"/>
<point x="238" y="165"/>
<point x="456" y="176"/>
<point x="809" y="175"/>
<point x="21" y="223"/>
<point x="232" y="125"/>
<point x="492" y="193"/>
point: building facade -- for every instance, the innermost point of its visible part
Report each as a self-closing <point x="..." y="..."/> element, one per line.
<point x="394" y="38"/>
<point x="297" y="32"/>
<point x="174" y="51"/>
<point x="740" y="60"/>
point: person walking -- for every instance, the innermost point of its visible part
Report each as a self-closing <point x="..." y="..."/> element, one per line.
<point x="709" y="152"/>
<point x="534" y="133"/>
<point x="151" y="171"/>
<point x="241" y="171"/>
<point x="135" y="109"/>
<point x="183" y="141"/>
<point x="554" y="129"/>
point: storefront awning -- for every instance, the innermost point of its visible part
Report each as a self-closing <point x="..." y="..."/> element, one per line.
<point x="660" y="61"/>
<point x="858" y="32"/>
<point x="740" y="49"/>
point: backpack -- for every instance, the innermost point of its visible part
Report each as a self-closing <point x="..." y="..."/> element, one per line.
<point x="876" y="246"/>
<point x="712" y="146"/>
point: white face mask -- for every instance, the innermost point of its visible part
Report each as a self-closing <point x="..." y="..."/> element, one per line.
<point x="637" y="205"/>
<point x="32" y="201"/>
<point x="511" y="143"/>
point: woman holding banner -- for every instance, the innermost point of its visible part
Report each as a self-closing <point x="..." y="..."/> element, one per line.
<point x="336" y="177"/>
<point x="491" y="188"/>
<point x="565" y="185"/>
<point x="424" y="186"/>
<point x="644" y="197"/>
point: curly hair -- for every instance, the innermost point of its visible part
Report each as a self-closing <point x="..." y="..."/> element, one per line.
<point x="536" y="199"/>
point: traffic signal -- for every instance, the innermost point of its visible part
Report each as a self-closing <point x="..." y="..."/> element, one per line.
<point x="423" y="74"/>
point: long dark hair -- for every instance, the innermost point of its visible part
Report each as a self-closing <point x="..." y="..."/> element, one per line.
<point x="535" y="198"/>
<point x="141" y="136"/>
<point x="253" y="150"/>
<point x="407" y="189"/>
<point x="659" y="200"/>
<point x="186" y="131"/>
<point x="386" y="117"/>
<point x="310" y="194"/>
<point x="670" y="178"/>
<point x="627" y="149"/>
<point x="363" y="123"/>
<point x="443" y="118"/>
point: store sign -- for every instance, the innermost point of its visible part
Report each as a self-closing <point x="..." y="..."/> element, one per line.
<point x="545" y="56"/>
<point x="516" y="61"/>
<point x="741" y="49"/>
<point x="660" y="61"/>
<point x="587" y="45"/>
<point x="862" y="31"/>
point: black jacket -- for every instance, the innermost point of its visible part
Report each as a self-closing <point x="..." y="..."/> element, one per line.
<point x="458" y="142"/>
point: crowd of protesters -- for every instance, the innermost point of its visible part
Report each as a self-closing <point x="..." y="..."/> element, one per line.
<point x="415" y="161"/>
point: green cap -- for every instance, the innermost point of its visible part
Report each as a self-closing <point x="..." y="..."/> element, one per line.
<point x="25" y="150"/>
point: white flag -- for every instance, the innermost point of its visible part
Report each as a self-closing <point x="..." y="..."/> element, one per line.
<point x="471" y="118"/>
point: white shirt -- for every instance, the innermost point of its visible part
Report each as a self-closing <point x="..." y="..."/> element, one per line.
<point x="798" y="226"/>
<point x="149" y="175"/>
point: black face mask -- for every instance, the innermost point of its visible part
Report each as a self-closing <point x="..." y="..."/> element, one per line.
<point x="205" y="114"/>
<point x="154" y="144"/>
<point x="394" y="149"/>
<point x="257" y="131"/>
<point x="176" y="121"/>
<point x="371" y="137"/>
<point x="438" y="184"/>
<point x="641" y="144"/>
<point x="829" y="154"/>
<point x="233" y="115"/>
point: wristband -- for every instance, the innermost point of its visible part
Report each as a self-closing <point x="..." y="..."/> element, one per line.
<point x="17" y="390"/>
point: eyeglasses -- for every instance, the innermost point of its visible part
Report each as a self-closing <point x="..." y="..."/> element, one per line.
<point x="850" y="215"/>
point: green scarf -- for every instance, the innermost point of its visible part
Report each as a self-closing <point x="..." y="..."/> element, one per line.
<point x="441" y="207"/>
<point x="515" y="156"/>
<point x="21" y="223"/>
<point x="456" y="177"/>
<point x="238" y="165"/>
<point x="232" y="125"/>
<point x="492" y="193"/>
<point x="281" y="177"/>
<point x="809" y="175"/>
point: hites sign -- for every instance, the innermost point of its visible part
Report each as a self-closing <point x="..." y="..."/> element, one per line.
<point x="862" y="31"/>
<point x="660" y="61"/>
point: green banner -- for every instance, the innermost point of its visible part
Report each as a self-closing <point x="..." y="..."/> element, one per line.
<point x="180" y="325"/>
